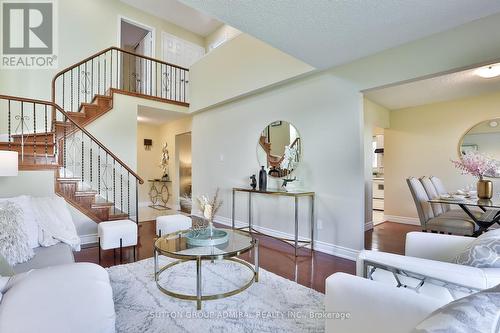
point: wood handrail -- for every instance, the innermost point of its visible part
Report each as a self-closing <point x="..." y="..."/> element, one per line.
<point x="102" y="52"/>
<point x="37" y="101"/>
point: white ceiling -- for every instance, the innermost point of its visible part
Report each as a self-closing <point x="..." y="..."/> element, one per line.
<point x="325" y="33"/>
<point x="154" y="116"/>
<point x="438" y="89"/>
<point x="179" y="14"/>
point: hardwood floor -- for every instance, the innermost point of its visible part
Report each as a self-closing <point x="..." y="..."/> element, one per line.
<point x="275" y="256"/>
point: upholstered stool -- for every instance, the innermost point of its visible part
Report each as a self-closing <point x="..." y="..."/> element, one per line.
<point x="117" y="234"/>
<point x="172" y="223"/>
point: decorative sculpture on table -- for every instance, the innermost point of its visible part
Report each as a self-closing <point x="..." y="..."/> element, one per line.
<point x="262" y="179"/>
<point x="253" y="182"/>
<point x="478" y="165"/>
<point x="210" y="235"/>
<point x="164" y="161"/>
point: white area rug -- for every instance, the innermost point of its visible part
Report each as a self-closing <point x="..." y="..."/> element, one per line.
<point x="274" y="304"/>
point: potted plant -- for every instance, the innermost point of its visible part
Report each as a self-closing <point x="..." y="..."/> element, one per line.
<point x="480" y="166"/>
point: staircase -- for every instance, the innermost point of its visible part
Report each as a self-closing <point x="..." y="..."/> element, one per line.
<point x="274" y="161"/>
<point x="52" y="135"/>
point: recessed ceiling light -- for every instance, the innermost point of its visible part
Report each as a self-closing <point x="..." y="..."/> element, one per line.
<point x="489" y="71"/>
<point x="493" y="123"/>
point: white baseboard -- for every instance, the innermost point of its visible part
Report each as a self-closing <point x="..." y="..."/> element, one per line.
<point x="402" y="219"/>
<point x="88" y="239"/>
<point x="369" y="225"/>
<point x="328" y="248"/>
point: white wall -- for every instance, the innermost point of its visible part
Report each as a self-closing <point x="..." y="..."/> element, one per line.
<point x="221" y="35"/>
<point x="239" y="67"/>
<point x="325" y="111"/>
<point x="421" y="141"/>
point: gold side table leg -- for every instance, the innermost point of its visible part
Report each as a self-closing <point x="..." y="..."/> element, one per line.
<point x="256" y="259"/>
<point x="198" y="283"/>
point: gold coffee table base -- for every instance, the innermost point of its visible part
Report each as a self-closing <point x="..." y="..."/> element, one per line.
<point x="199" y="297"/>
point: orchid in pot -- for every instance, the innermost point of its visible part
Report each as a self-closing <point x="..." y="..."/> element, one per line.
<point x="209" y="208"/>
<point x="480" y="166"/>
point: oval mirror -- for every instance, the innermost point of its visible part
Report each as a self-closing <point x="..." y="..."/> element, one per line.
<point x="485" y="139"/>
<point x="279" y="148"/>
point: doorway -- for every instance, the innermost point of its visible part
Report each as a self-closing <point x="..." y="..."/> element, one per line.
<point x="137" y="38"/>
<point x="183" y="152"/>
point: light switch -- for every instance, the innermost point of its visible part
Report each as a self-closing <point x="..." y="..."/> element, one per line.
<point x="221" y="157"/>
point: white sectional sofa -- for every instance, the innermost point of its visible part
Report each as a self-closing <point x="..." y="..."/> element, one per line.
<point x="51" y="293"/>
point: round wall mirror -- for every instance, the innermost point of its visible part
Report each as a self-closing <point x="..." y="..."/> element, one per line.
<point x="279" y="148"/>
<point x="483" y="138"/>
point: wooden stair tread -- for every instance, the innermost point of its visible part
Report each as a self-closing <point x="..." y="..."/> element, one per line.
<point x="76" y="114"/>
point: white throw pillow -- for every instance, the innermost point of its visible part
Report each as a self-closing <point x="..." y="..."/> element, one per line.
<point x="483" y="252"/>
<point x="14" y="242"/>
<point x="30" y="222"/>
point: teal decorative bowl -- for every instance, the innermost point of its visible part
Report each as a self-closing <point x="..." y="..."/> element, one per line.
<point x="202" y="237"/>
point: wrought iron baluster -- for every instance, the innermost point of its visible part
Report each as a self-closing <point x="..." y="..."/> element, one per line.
<point x="99" y="74"/>
<point x="34" y="133"/>
<point x="99" y="170"/>
<point x="114" y="185"/>
<point x="46" y="136"/>
<point x="71" y="91"/>
<point x="22" y="131"/>
<point x="78" y="89"/>
<point x="83" y="158"/>
<point x="150" y="77"/>
<point x="92" y="76"/>
<point x="63" y="84"/>
<point x="64" y="144"/>
<point x="104" y="78"/>
<point x="105" y="175"/>
<point x="90" y="160"/>
<point x="121" y="189"/>
<point x="8" y="121"/>
<point x="128" y="194"/>
<point x="86" y="91"/>
<point x="111" y="68"/>
<point x="170" y="78"/>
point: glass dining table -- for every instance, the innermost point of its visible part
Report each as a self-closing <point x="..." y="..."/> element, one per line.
<point x="490" y="210"/>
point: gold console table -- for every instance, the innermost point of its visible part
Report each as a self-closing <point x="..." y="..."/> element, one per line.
<point x="296" y="195"/>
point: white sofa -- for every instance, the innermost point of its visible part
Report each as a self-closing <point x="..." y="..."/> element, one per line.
<point x="374" y="307"/>
<point x="51" y="293"/>
<point x="431" y="256"/>
<point x="74" y="298"/>
<point x="379" y="306"/>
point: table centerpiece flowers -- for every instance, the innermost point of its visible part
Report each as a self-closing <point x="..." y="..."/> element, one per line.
<point x="480" y="166"/>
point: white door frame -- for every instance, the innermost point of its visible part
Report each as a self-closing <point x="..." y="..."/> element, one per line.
<point x="140" y="25"/>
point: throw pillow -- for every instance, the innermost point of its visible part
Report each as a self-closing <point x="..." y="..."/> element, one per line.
<point x="476" y="313"/>
<point x="483" y="252"/>
<point x="14" y="241"/>
<point x="30" y="222"/>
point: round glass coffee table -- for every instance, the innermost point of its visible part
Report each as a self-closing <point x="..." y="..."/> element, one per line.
<point x="175" y="246"/>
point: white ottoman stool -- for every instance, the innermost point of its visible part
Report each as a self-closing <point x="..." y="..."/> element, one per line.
<point x="117" y="234"/>
<point x="172" y="223"/>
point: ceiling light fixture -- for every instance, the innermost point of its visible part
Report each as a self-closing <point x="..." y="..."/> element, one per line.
<point x="489" y="71"/>
<point x="493" y="123"/>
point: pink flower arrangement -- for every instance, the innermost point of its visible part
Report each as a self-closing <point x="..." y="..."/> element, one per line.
<point x="476" y="164"/>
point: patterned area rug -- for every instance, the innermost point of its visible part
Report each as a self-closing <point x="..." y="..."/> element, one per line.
<point x="274" y="304"/>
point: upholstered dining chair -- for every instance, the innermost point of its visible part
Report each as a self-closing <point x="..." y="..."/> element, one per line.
<point x="436" y="217"/>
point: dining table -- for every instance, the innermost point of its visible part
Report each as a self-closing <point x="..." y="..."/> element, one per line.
<point x="489" y="208"/>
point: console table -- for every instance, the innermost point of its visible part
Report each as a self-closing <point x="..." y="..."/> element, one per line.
<point x="292" y="193"/>
<point x="159" y="193"/>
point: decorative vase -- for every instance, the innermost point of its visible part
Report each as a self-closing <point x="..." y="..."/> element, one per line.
<point x="262" y="179"/>
<point x="484" y="189"/>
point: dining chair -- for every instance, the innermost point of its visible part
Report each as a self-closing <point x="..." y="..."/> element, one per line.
<point x="434" y="218"/>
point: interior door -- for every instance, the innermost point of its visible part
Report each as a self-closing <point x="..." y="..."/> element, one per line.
<point x="143" y="66"/>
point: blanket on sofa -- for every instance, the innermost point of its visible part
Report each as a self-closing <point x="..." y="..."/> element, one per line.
<point x="55" y="222"/>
